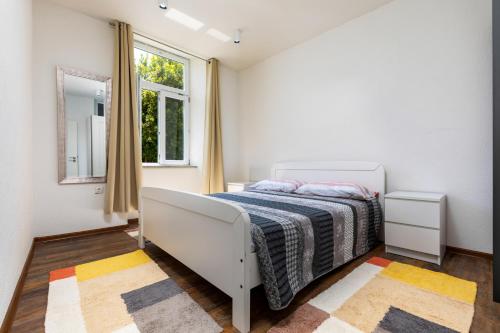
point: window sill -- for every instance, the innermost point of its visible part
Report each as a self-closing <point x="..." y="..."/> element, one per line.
<point x="156" y="165"/>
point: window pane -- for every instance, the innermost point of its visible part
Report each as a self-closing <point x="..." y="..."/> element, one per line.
<point x="149" y="126"/>
<point x="174" y="129"/>
<point x="157" y="69"/>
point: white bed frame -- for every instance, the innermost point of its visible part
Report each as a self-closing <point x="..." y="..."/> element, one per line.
<point x="212" y="237"/>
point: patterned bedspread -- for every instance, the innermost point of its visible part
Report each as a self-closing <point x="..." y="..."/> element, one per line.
<point x="298" y="238"/>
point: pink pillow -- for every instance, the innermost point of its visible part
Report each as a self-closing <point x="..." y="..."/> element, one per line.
<point x="336" y="190"/>
<point x="276" y="185"/>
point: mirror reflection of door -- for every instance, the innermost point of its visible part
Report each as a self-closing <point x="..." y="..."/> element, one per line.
<point x="72" y="148"/>
<point x="98" y="131"/>
<point x="85" y="127"/>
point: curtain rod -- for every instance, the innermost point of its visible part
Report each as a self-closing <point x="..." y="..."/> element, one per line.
<point x="163" y="43"/>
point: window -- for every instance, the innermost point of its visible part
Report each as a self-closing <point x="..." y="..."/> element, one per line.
<point x="163" y="86"/>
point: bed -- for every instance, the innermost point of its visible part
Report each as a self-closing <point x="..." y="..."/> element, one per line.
<point x="212" y="235"/>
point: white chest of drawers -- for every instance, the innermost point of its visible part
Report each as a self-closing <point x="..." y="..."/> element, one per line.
<point x="415" y="225"/>
<point x="238" y="186"/>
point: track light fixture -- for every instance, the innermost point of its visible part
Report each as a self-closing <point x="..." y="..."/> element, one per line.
<point x="163" y="4"/>
<point x="237" y="36"/>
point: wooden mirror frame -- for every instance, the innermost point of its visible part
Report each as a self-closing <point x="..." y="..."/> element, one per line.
<point x="61" y="123"/>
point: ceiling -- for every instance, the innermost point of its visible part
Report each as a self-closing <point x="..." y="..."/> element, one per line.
<point x="79" y="86"/>
<point x="268" y="26"/>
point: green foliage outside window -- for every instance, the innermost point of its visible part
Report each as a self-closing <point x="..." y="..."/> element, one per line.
<point x="149" y="126"/>
<point x="170" y="73"/>
<point x="174" y="128"/>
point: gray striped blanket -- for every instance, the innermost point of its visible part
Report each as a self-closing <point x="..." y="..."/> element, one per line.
<point x="298" y="238"/>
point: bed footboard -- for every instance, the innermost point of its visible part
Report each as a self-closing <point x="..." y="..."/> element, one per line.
<point x="210" y="236"/>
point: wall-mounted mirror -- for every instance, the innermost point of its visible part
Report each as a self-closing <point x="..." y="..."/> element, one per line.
<point x="83" y="108"/>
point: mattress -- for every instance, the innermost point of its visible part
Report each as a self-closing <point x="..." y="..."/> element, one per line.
<point x="298" y="238"/>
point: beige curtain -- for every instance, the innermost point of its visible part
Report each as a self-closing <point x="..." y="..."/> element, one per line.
<point x="124" y="157"/>
<point x="213" y="169"/>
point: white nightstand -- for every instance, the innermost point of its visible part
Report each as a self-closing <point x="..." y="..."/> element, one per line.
<point x="238" y="186"/>
<point x="415" y="225"/>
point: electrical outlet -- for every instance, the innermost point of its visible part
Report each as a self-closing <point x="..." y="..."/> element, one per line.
<point x="99" y="189"/>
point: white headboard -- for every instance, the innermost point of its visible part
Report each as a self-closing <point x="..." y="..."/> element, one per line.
<point x="369" y="174"/>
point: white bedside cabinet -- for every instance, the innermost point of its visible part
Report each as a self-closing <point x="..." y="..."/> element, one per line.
<point x="238" y="186"/>
<point x="415" y="225"/>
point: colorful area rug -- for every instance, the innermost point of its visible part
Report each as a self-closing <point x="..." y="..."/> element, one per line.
<point x="383" y="296"/>
<point x="123" y="294"/>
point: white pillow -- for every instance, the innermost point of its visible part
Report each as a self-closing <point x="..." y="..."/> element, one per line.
<point x="287" y="186"/>
<point x="336" y="190"/>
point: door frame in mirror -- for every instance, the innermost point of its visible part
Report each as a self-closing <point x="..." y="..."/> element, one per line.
<point x="61" y="123"/>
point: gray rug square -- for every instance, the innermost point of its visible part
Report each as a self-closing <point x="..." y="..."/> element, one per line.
<point x="399" y="321"/>
<point x="149" y="295"/>
<point x="178" y="313"/>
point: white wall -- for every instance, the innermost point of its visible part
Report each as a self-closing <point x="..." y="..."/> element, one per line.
<point x="15" y="144"/>
<point x="408" y="85"/>
<point x="69" y="38"/>
<point x="229" y="98"/>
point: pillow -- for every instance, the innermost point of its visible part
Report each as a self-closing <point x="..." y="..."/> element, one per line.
<point x="337" y="190"/>
<point x="287" y="186"/>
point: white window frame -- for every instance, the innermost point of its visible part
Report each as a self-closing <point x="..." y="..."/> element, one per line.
<point x="164" y="92"/>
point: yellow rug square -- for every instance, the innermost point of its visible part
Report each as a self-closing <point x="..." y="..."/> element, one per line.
<point x="439" y="283"/>
<point x="102" y="267"/>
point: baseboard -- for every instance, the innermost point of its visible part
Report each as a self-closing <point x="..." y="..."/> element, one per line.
<point x="469" y="252"/>
<point x="12" y="309"/>
<point x="77" y="234"/>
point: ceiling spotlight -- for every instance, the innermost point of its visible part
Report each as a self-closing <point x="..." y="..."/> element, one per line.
<point x="237" y="35"/>
<point x="162" y="4"/>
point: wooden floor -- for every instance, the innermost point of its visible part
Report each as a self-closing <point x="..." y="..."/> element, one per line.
<point x="59" y="254"/>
